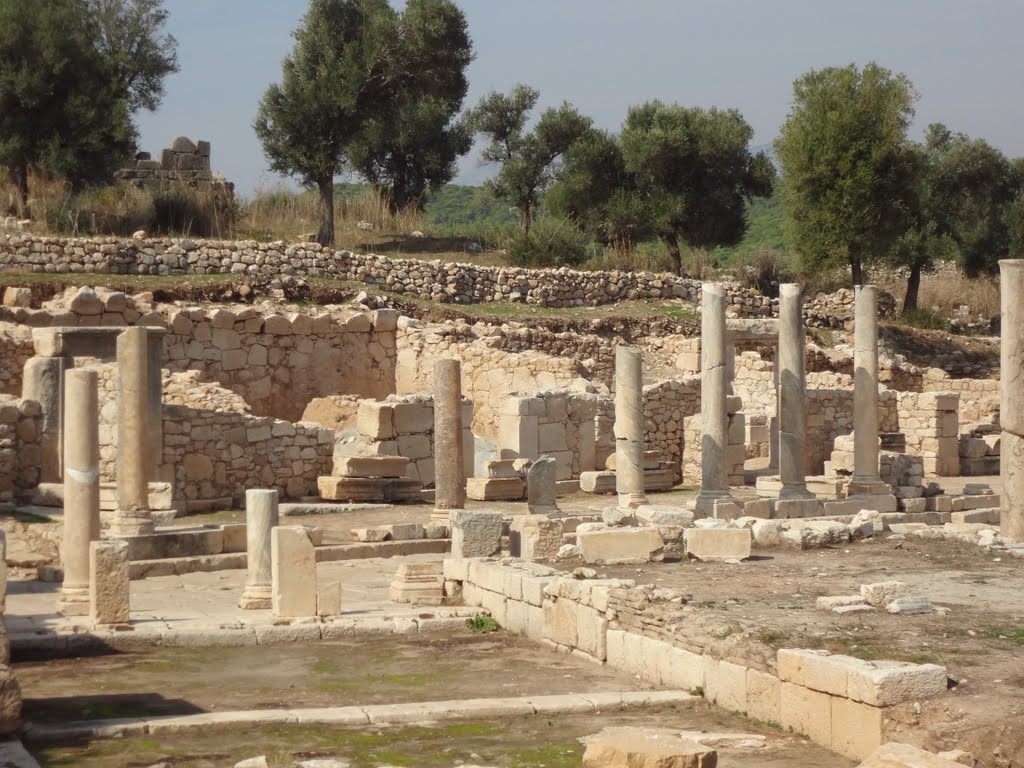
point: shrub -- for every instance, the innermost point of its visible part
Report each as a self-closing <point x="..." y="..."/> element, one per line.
<point x="481" y="623"/>
<point x="551" y="243"/>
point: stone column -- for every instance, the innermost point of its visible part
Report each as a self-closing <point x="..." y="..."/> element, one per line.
<point x="449" y="471"/>
<point x="1011" y="403"/>
<point x="134" y="451"/>
<point x="81" y="488"/>
<point x="865" y="392"/>
<point x="773" y="420"/>
<point x="41" y="381"/>
<point x="714" y="470"/>
<point x="792" y="394"/>
<point x="155" y="400"/>
<point x="261" y="516"/>
<point x="629" y="427"/>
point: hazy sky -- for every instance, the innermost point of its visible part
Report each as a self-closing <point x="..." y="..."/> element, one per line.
<point x="965" y="59"/>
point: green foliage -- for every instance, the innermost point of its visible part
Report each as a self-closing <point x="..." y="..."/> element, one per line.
<point x="1014" y="218"/>
<point x="414" y="147"/>
<point x="339" y="77"/>
<point x="527" y="159"/>
<point x="847" y="167"/>
<point x="481" y="623"/>
<point x="130" y="38"/>
<point x="62" y="109"/>
<point x="550" y="243"/>
<point x="461" y="206"/>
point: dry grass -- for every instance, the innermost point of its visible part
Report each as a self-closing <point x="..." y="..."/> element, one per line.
<point x="946" y="290"/>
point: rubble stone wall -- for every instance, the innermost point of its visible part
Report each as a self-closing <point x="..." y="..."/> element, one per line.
<point x="438" y="281"/>
<point x="20" y="453"/>
<point x="15" y="350"/>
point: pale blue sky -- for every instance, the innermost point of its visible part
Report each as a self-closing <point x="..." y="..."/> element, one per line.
<point x="965" y="58"/>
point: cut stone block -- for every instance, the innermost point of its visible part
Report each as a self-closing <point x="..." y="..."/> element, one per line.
<point x="838" y="601"/>
<point x="498" y="469"/>
<point x="597" y="482"/>
<point x="882" y="593"/>
<point x="328" y="598"/>
<point x="795" y="508"/>
<point x="405" y="531"/>
<point x="718" y="543"/>
<point x="374" y="490"/>
<point x="534" y="537"/>
<point x="370" y="466"/>
<point x="646" y="748"/>
<point x="495" y="488"/>
<point x="293" y="572"/>
<point x="910" y="606"/>
<point x="109" y="582"/>
<point x="619" y="545"/>
<point x="416" y="583"/>
<point x="475" y="534"/>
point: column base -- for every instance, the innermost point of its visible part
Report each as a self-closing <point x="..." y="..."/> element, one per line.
<point x="132" y="524"/>
<point x="632" y="500"/>
<point x="73" y="601"/>
<point x="795" y="492"/>
<point x="442" y="516"/>
<point x="707" y="501"/>
<point x="869" y="487"/>
<point x="256" y="597"/>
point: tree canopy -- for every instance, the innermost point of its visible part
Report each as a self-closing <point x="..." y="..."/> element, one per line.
<point x="130" y="38"/>
<point x="527" y="159"/>
<point x="338" y="77"/>
<point x="681" y="173"/>
<point x="847" y="165"/>
<point x="414" y="147"/>
<point x="62" y="108"/>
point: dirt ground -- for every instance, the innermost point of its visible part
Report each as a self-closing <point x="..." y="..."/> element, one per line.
<point x="389" y="670"/>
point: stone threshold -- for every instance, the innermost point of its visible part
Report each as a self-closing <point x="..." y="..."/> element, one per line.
<point x="376" y="714"/>
<point x="142" y="636"/>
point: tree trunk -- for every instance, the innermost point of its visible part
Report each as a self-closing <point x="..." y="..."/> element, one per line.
<point x="526" y="218"/>
<point x="672" y="244"/>
<point x="19" y="178"/>
<point x="913" y="286"/>
<point x="857" y="270"/>
<point x="325" y="236"/>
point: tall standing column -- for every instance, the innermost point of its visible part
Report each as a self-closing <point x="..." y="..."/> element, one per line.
<point x="261" y="516"/>
<point x="714" y="470"/>
<point x="792" y="394"/>
<point x="629" y="427"/>
<point x="449" y="473"/>
<point x="1011" y="402"/>
<point x="81" y="487"/>
<point x="865" y="392"/>
<point x="134" y="451"/>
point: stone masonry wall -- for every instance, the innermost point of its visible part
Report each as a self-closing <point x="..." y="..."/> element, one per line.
<point x="930" y="424"/>
<point x="434" y="280"/>
<point x="15" y="350"/>
<point x="556" y="423"/>
<point x="490" y="374"/>
<point x="20" y="452"/>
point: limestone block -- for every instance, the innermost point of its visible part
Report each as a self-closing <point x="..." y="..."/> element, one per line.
<point x="328" y="598"/>
<point x="108" y="582"/>
<point x="560" y="622"/>
<point x="413" y="418"/>
<point x="885" y="683"/>
<point x="895" y="755"/>
<point x="856" y="728"/>
<point x="619" y="545"/>
<point x="495" y="488"/>
<point x="475" y="534"/>
<point x="806" y="711"/>
<point x="628" y="747"/>
<point x="882" y="593"/>
<point x="416" y="583"/>
<point x="376" y="420"/>
<point x="503" y="469"/>
<point x="369" y="489"/>
<point x="718" y="543"/>
<point x="725" y="684"/>
<point x="819" y="670"/>
<point x="293" y="572"/>
<point x="370" y="466"/>
<point x="17" y="297"/>
<point x="763" y="691"/>
<point x="597" y="482"/>
<point x="534" y="537"/>
<point x="405" y="531"/>
<point x="414" y="446"/>
<point x="551" y="438"/>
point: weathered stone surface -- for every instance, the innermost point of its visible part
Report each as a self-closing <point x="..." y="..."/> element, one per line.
<point x="718" y="543"/>
<point x="371" y="466"/>
<point x="619" y="545"/>
<point x="261" y="517"/>
<point x="540" y="486"/>
<point x="629" y="427"/>
<point x="475" y="534"/>
<point x="646" y="748"/>
<point x="416" y="583"/>
<point x="534" y="537"/>
<point x="895" y="755"/>
<point x="495" y="488"/>
<point x="880" y="594"/>
<point x="293" y="570"/>
<point x="383" y="490"/>
<point x="109" y="585"/>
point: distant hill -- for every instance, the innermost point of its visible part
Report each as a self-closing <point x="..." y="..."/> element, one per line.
<point x="460" y="205"/>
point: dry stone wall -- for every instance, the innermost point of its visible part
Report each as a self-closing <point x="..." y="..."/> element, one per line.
<point x="15" y="350"/>
<point x="20" y="451"/>
<point x="443" y="282"/>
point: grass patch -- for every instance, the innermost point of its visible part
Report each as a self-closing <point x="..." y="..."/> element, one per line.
<point x="566" y="755"/>
<point x="481" y="623"/>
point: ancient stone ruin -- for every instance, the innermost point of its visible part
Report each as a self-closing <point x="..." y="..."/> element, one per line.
<point x="797" y="534"/>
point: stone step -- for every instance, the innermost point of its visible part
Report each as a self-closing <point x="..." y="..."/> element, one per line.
<point x="377" y="489"/>
<point x="604" y="482"/>
<point x="370" y="466"/>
